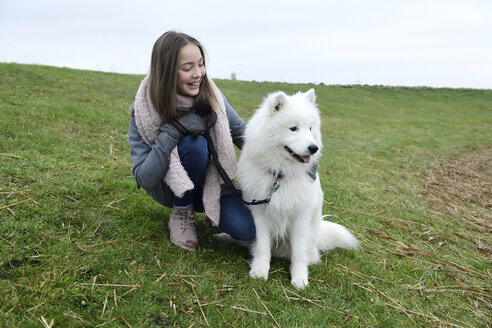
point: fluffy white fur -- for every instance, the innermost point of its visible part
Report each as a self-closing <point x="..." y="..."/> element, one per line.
<point x="291" y="224"/>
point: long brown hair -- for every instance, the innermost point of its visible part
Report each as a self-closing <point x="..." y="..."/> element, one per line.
<point x="164" y="71"/>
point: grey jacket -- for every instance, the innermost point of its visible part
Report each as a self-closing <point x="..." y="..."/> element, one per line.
<point x="150" y="164"/>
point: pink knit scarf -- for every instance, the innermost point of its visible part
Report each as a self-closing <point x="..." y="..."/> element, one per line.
<point x="148" y="122"/>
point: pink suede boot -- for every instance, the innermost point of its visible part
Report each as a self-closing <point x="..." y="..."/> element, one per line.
<point x="182" y="228"/>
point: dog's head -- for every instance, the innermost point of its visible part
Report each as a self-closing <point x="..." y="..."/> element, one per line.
<point x="295" y="124"/>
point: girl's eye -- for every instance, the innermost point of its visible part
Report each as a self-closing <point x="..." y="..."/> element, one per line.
<point x="293" y="129"/>
<point x="310" y="128"/>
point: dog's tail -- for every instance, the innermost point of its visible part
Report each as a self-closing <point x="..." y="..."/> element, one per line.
<point x="334" y="235"/>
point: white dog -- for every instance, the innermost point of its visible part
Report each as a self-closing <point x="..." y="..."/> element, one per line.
<point x="278" y="165"/>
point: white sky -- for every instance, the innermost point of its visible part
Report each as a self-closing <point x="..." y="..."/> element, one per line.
<point x="437" y="43"/>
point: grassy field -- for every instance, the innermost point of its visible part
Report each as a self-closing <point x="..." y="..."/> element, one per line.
<point x="408" y="170"/>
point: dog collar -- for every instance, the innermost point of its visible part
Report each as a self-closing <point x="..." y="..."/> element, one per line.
<point x="278" y="174"/>
<point x="273" y="188"/>
<point x="312" y="170"/>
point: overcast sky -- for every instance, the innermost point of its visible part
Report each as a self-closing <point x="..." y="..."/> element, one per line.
<point x="441" y="43"/>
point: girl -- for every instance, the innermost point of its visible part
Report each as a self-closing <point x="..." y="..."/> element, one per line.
<point x="169" y="152"/>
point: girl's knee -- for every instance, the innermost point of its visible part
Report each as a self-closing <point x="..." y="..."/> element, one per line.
<point x="193" y="150"/>
<point x="236" y="219"/>
<point x="239" y="230"/>
<point x="247" y="232"/>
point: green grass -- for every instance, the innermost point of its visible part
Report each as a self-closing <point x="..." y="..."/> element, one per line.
<point x="81" y="246"/>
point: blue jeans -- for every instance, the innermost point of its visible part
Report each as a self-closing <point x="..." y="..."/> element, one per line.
<point x="235" y="217"/>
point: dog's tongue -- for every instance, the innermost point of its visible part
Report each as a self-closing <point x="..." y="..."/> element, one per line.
<point x="306" y="159"/>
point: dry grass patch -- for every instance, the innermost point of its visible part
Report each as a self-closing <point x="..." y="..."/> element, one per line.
<point x="462" y="188"/>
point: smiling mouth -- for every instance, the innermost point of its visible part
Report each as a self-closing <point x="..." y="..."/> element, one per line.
<point x="302" y="159"/>
<point x="194" y="84"/>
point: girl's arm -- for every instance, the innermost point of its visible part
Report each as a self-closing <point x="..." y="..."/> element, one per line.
<point x="236" y="124"/>
<point x="150" y="164"/>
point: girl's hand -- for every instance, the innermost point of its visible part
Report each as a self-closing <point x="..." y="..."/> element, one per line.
<point x="191" y="123"/>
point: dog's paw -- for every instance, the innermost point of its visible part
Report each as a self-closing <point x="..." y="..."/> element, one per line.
<point x="299" y="275"/>
<point x="299" y="283"/>
<point x="259" y="272"/>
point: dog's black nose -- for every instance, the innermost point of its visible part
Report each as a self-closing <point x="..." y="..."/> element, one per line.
<point x="313" y="149"/>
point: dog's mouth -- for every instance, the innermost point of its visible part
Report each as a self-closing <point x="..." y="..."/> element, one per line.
<point x="302" y="159"/>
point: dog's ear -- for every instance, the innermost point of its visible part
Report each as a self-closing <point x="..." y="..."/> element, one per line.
<point x="276" y="101"/>
<point x="310" y="95"/>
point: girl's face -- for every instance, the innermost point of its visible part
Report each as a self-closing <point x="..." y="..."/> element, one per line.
<point x="191" y="70"/>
